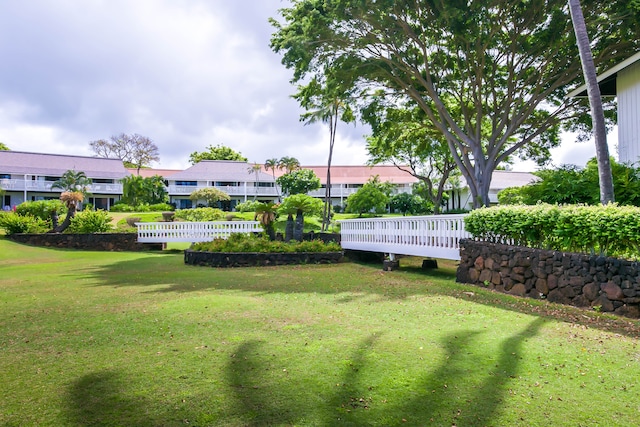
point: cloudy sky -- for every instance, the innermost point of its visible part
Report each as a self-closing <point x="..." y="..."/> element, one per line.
<point x="185" y="73"/>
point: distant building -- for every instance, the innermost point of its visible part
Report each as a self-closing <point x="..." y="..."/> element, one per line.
<point x="460" y="198"/>
<point x="623" y="81"/>
<point x="346" y="180"/>
<point x="29" y="176"/>
<point x="237" y="179"/>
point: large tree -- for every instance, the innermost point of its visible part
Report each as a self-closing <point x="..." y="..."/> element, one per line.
<point x="299" y="181"/>
<point x="219" y="152"/>
<point x="405" y="138"/>
<point x="135" y="150"/>
<point x="490" y="75"/>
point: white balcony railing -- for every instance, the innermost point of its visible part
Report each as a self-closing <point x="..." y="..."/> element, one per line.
<point x="45" y="186"/>
<point x="239" y="190"/>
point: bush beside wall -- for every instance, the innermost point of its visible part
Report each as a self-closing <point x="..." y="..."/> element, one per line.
<point x="92" y="241"/>
<point x="603" y="283"/>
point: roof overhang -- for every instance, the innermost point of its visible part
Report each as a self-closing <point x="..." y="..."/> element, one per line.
<point x="606" y="80"/>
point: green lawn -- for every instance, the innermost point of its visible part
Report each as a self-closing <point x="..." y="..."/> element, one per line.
<point x="140" y="339"/>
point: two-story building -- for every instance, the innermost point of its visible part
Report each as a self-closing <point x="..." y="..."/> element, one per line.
<point x="240" y="180"/>
<point x="29" y="176"/>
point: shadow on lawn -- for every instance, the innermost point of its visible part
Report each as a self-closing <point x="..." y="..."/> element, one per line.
<point x="167" y="273"/>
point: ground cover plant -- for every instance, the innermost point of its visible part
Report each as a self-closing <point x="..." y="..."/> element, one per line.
<point x="240" y="242"/>
<point x="140" y="339"/>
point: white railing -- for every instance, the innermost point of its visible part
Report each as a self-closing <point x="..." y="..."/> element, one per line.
<point x="434" y="236"/>
<point x="160" y="232"/>
<point x="45" y="186"/>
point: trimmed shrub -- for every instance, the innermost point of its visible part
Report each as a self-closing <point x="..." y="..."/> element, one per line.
<point x="90" y="222"/>
<point x="13" y="223"/>
<point x="200" y="214"/>
<point x="41" y="208"/>
<point x="610" y="230"/>
<point x="248" y="206"/>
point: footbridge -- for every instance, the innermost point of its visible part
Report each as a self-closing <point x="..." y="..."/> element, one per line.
<point x="432" y="236"/>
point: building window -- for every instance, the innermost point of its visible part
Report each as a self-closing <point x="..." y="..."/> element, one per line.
<point x="264" y="184"/>
<point x="102" y="181"/>
<point x="226" y="184"/>
<point x="187" y="183"/>
<point x="5" y="176"/>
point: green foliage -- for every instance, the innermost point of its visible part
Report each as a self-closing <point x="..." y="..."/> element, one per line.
<point x="73" y="181"/>
<point x="248" y="206"/>
<point x="299" y="181"/>
<point x="210" y="195"/>
<point x="120" y="206"/>
<point x="90" y="221"/>
<point x="373" y="196"/>
<point x="13" y="223"/>
<point x="137" y="190"/>
<point x="301" y="202"/>
<point x="608" y="230"/>
<point x="3" y="147"/>
<point x="41" y="208"/>
<point x="240" y="242"/>
<point x="407" y="203"/>
<point x="219" y="152"/>
<point x="569" y="184"/>
<point x="200" y="214"/>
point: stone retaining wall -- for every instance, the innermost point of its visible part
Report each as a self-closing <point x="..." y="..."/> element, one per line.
<point x="226" y="259"/>
<point x="92" y="242"/>
<point x="608" y="284"/>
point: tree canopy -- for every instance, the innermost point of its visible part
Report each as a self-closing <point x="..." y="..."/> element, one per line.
<point x="570" y="184"/>
<point x="136" y="151"/>
<point x="219" y="152"/>
<point x="373" y="196"/>
<point x="490" y="75"/>
<point x="210" y="195"/>
<point x="3" y="147"/>
<point x="299" y="181"/>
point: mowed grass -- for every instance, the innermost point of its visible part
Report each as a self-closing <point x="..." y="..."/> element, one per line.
<point x="140" y="339"/>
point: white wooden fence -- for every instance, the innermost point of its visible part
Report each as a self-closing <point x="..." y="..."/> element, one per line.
<point x="433" y="236"/>
<point x="160" y="232"/>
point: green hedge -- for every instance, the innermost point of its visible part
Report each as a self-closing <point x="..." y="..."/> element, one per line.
<point x="200" y="214"/>
<point x="610" y="230"/>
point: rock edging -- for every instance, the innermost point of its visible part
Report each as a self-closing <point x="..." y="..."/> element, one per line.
<point x="606" y="284"/>
<point x="250" y="259"/>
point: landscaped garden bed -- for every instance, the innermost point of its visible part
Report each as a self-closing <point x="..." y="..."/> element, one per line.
<point x="244" y="250"/>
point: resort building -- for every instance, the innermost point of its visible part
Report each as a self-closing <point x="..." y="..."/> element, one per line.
<point x="29" y="176"/>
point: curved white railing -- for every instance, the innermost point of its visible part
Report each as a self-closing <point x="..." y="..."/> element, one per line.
<point x="435" y="236"/>
<point x="160" y="232"/>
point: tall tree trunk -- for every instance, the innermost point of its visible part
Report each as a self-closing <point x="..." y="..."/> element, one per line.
<point x="71" y="212"/>
<point x="299" y="226"/>
<point x="595" y="102"/>
<point x="333" y="124"/>
<point x="288" y="231"/>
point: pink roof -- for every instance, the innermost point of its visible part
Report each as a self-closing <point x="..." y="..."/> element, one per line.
<point x="148" y="173"/>
<point x="357" y="174"/>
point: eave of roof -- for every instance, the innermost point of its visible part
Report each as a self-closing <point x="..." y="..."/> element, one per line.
<point x="606" y="80"/>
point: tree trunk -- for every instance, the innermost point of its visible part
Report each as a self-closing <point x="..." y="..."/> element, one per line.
<point x="288" y="231"/>
<point x="297" y="230"/>
<point x="595" y="102"/>
<point x="67" y="221"/>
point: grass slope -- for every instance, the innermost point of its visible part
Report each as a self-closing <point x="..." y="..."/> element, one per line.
<point x="140" y="339"/>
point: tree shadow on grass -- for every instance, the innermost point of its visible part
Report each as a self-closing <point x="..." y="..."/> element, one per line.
<point x="442" y="396"/>
<point x="99" y="399"/>
<point x="164" y="273"/>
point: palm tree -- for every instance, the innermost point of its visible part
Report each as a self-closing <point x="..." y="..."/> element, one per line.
<point x="595" y="102"/>
<point x="326" y="104"/>
<point x="289" y="164"/>
<point x="266" y="213"/>
<point x="255" y="169"/>
<point x="273" y="165"/>
<point x="75" y="187"/>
